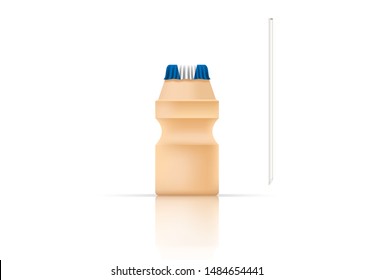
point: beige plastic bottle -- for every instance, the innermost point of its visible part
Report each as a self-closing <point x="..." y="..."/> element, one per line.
<point x="187" y="154"/>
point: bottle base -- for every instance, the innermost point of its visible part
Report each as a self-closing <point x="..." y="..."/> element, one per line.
<point x="187" y="169"/>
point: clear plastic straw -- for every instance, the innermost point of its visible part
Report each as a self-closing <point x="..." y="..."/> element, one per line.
<point x="271" y="121"/>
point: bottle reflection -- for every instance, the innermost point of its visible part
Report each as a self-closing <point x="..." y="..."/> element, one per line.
<point x="187" y="226"/>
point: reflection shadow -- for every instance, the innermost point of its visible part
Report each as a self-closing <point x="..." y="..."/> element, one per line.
<point x="187" y="226"/>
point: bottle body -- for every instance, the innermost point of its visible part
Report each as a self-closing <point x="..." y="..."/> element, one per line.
<point x="187" y="166"/>
<point x="187" y="155"/>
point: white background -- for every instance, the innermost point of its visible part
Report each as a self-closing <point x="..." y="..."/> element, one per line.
<point x="78" y="81"/>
